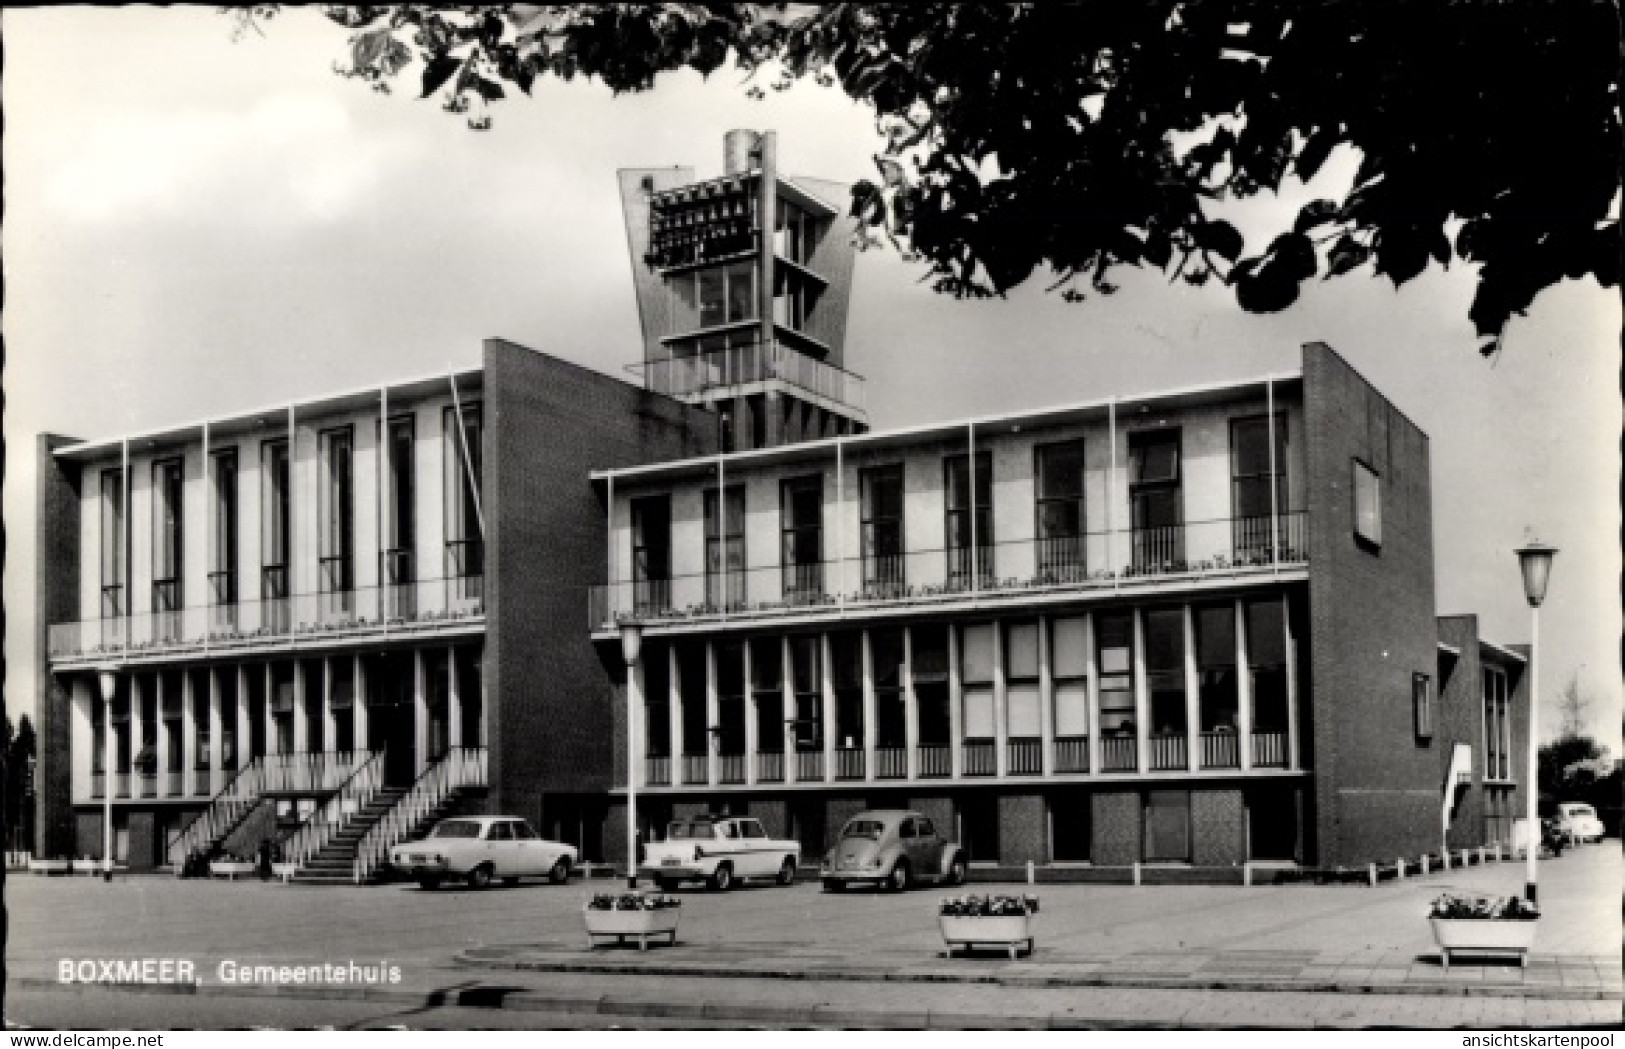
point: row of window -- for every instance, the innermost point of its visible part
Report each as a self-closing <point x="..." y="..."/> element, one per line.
<point x="1156" y="507"/>
<point x="336" y="516"/>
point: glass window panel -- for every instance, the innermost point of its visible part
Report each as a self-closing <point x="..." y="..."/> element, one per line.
<point x="1266" y="632"/>
<point x="976" y="653"/>
<point x="1154" y="457"/>
<point x="741" y="291"/>
<point x="712" y="297"/>
<point x="929" y="649"/>
<point x="1216" y="636"/>
<point x="1165" y="640"/>
<point x="765" y="663"/>
<point x="886" y="654"/>
<point x="1021" y="655"/>
<point x="1367" y="504"/>
<point x="1021" y="706"/>
<point x="979" y="713"/>
<point x="1071" y="709"/>
<point x="1060" y="470"/>
<point x="1068" y="654"/>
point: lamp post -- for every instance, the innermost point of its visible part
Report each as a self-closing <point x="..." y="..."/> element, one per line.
<point x="631" y="647"/>
<point x="1536" y="562"/>
<point x="107" y="678"/>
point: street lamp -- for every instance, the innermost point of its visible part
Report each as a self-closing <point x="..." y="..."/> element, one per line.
<point x="631" y="646"/>
<point x="1536" y="562"/>
<point x="107" y="678"/>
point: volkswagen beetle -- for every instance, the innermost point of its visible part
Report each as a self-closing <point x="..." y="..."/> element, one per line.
<point x="891" y="848"/>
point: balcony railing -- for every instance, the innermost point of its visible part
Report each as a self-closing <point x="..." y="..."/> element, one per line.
<point x="1122" y="558"/>
<point x="149" y="784"/>
<point x="98" y="784"/>
<point x="1117" y="754"/>
<point x="200" y="782"/>
<point x="730" y="768"/>
<point x="770" y="767"/>
<point x="936" y="760"/>
<point x="364" y="610"/>
<point x="891" y="763"/>
<point x="396" y="570"/>
<point x="848" y="763"/>
<point x="1072" y="754"/>
<point x="174" y="783"/>
<point x="696" y="769"/>
<point x="979" y="758"/>
<point x="657" y="770"/>
<point x="1025" y="756"/>
<point x="809" y="765"/>
<point x="121" y="784"/>
<point x="1221" y="750"/>
<point x="1169" y="752"/>
<point x="1269" y="749"/>
<point x="752" y="363"/>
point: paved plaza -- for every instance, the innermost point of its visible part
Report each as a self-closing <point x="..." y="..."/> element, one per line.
<point x="1155" y="956"/>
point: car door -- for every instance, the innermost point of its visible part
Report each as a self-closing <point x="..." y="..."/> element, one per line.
<point x="499" y="848"/>
<point x="929" y="847"/>
<point x="532" y="855"/>
<point x="758" y="858"/>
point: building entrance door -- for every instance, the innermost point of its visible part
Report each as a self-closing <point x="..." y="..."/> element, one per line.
<point x="390" y="683"/>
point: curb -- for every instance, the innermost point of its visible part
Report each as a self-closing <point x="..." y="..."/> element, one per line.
<point x="1126" y="981"/>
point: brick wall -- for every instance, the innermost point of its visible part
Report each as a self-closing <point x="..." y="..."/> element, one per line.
<point x="1116" y="828"/>
<point x="1023" y="829"/>
<point x="56" y="600"/>
<point x="774" y="814"/>
<point x="1218" y="828"/>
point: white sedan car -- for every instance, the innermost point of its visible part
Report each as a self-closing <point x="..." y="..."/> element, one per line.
<point x="1579" y="822"/>
<point x="479" y="848"/>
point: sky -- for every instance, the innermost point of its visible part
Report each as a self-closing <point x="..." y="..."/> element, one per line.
<point x="196" y="226"/>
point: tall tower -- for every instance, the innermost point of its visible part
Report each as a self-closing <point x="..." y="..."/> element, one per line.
<point x="743" y="283"/>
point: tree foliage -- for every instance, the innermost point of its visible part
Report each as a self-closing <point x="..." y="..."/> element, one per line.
<point x="1071" y="139"/>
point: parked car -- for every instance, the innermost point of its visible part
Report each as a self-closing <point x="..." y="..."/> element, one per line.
<point x="719" y="850"/>
<point x="479" y="848"/>
<point x="1579" y="822"/>
<point x="894" y="848"/>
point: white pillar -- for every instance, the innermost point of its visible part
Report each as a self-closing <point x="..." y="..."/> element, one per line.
<point x="956" y="707"/>
<point x="420" y="713"/>
<point x="1142" y="697"/>
<point x="712" y="706"/>
<point x="137" y="730"/>
<point x="1193" y="696"/>
<point x="188" y="736"/>
<point x="330" y="720"/>
<point x="1092" y="668"/>
<point x="81" y="734"/>
<point x="245" y="728"/>
<point x="454" y="701"/>
<point x="359" y="713"/>
<point x="868" y="662"/>
<point x="674" y="701"/>
<point x="1291" y="685"/>
<point x="787" y="704"/>
<point x="752" y="720"/>
<point x="1244" y="690"/>
<point x="911" y="709"/>
<point x="301" y="717"/>
<point x="1001" y="705"/>
<point x="217" y="730"/>
<point x="1046" y="701"/>
<point x="826" y="675"/>
<point x="268" y="681"/>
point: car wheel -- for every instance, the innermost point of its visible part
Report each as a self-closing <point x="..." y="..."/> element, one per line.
<point x="429" y="882"/>
<point x="956" y="871"/>
<point x="667" y="884"/>
<point x="722" y="879"/>
<point x="898" y="879"/>
<point x="787" y="871"/>
<point x="480" y="876"/>
<point x="560" y="872"/>
<point x="833" y="885"/>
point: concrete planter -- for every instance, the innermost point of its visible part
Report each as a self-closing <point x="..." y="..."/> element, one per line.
<point x="232" y="869"/>
<point x="641" y="925"/>
<point x="1009" y="931"/>
<point x="1480" y="936"/>
<point x="285" y="871"/>
<point x="50" y="867"/>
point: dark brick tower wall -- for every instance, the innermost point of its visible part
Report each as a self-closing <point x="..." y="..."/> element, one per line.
<point x="56" y="600"/>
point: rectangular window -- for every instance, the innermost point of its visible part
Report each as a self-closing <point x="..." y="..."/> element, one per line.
<point x="1069" y="668"/>
<point x="691" y="684"/>
<point x="741" y="278"/>
<point x="1114" y="640"/>
<point x="929" y="666"/>
<point x="1252" y="490"/>
<point x="801" y="520"/>
<point x="114" y="537"/>
<point x="1155" y="501"/>
<point x="1165" y="670"/>
<point x="463" y="455"/>
<point x="400" y="503"/>
<point x="846" y="675"/>
<point x="1422" y="707"/>
<point x="807" y="682"/>
<point x="1367" y="505"/>
<point x="167" y="534"/>
<point x="1216" y="683"/>
<point x="730" y="656"/>
<point x="882" y="525"/>
<point x="1266" y="659"/>
<point x="886" y="659"/>
<point x="336" y="545"/>
<point x="1060" y="524"/>
<point x="651" y="554"/>
<point x="1021" y="680"/>
<point x="961" y="523"/>
<point x="275" y="520"/>
<point x="725" y="546"/>
<point x="767" y="693"/>
<point x="223" y="570"/>
<point x="712" y="294"/>
<point x="976" y="664"/>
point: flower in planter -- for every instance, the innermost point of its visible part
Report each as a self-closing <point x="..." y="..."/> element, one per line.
<point x="1475" y="906"/>
<point x="632" y="901"/>
<point x="988" y="906"/>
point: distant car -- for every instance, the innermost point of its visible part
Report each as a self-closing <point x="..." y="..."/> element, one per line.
<point x="479" y="848"/>
<point x="1579" y="822"/>
<point x="894" y="848"/>
<point x="720" y="850"/>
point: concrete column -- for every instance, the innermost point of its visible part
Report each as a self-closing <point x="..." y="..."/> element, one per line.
<point x="956" y="707"/>
<point x="301" y="717"/>
<point x="1046" y="700"/>
<point x="269" y="683"/>
<point x="787" y="690"/>
<point x="1193" y="696"/>
<point x="712" y="708"/>
<point x="1001" y="705"/>
<point x="1292" y="760"/>
<point x="245" y="727"/>
<point x="420" y="713"/>
<point x="137" y="724"/>
<point x="827" y="683"/>
<point x="752" y="721"/>
<point x="188" y="736"/>
<point x="1244" y="690"/>
<point x="330" y="720"/>
<point x="911" y="708"/>
<point x="674" y="701"/>
<point x="217" y="731"/>
<point x="1092" y="668"/>
<point x="80" y="734"/>
<point x="454" y="701"/>
<point x="1142" y="698"/>
<point x="359" y="713"/>
<point x="868" y="660"/>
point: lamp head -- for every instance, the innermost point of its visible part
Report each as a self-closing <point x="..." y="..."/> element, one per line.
<point x="107" y="678"/>
<point x="631" y="642"/>
<point x="1536" y="562"/>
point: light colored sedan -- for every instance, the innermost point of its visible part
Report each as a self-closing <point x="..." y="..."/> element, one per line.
<point x="479" y="848"/>
<point x="894" y="849"/>
<point x="1579" y="822"/>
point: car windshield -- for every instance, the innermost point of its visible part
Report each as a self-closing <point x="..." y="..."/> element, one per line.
<point x="688" y="831"/>
<point x="864" y="829"/>
<point x="456" y="829"/>
<point x="1579" y="810"/>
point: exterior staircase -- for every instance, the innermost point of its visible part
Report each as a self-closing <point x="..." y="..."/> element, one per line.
<point x="334" y="862"/>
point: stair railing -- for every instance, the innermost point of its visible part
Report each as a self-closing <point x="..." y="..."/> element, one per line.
<point x="352" y="796"/>
<point x="461" y="767"/>
<point x="223" y="812"/>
